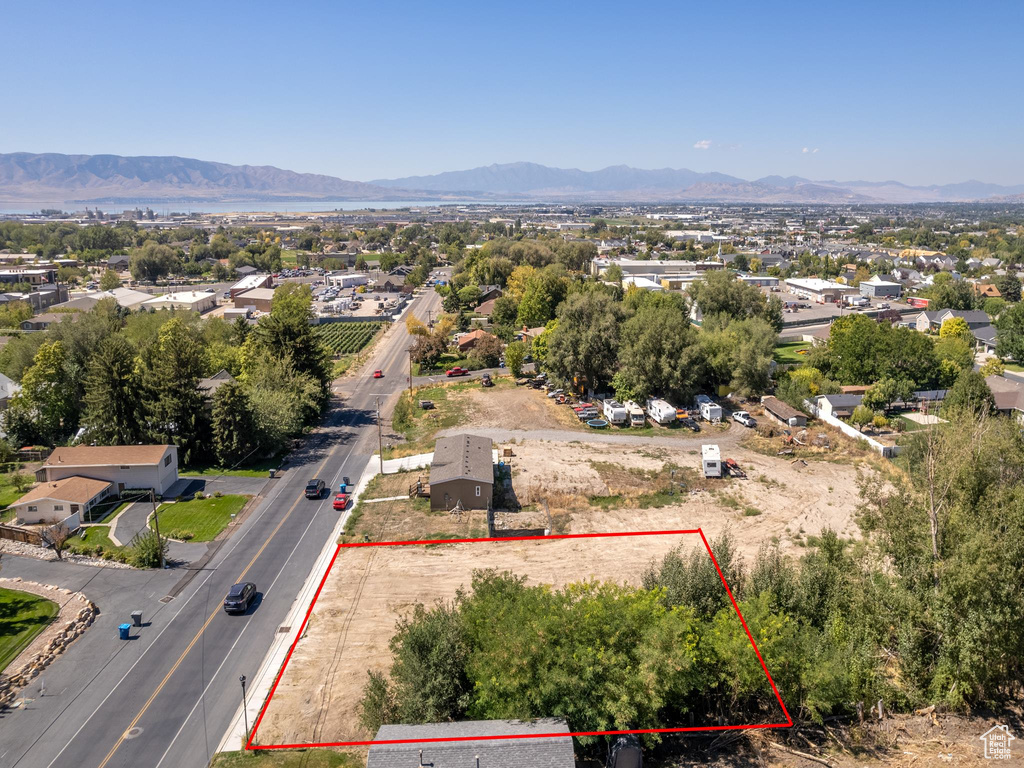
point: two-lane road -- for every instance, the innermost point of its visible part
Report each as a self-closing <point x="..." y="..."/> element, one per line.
<point x="170" y="702"/>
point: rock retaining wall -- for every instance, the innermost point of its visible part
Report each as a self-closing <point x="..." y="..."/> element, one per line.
<point x="76" y="615"/>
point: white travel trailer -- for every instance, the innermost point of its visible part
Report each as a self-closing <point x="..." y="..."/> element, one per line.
<point x="709" y="410"/>
<point x="636" y="414"/>
<point x="711" y="460"/>
<point x="660" y="411"/>
<point x="615" y="412"/>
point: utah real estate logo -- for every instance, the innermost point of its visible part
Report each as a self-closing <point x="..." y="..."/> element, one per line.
<point x="997" y="742"/>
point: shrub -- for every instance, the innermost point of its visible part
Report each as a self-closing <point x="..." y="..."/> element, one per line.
<point x="217" y="494"/>
<point x="147" y="550"/>
<point x="199" y="495"/>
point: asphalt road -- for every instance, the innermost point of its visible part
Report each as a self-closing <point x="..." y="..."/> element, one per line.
<point x="165" y="698"/>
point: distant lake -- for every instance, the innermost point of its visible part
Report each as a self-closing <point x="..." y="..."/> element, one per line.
<point x="162" y="207"/>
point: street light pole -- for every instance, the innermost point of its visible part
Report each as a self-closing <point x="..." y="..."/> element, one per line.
<point x="380" y="438"/>
<point x="245" y="715"/>
<point x="156" y="526"/>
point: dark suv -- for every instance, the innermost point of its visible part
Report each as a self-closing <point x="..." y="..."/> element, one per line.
<point x="240" y="597"/>
<point x="315" y="489"/>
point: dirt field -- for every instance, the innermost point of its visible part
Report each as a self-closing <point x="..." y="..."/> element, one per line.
<point x="370" y="587"/>
<point x="777" y="500"/>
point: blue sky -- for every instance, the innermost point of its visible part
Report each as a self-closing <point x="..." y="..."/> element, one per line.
<point x="920" y="92"/>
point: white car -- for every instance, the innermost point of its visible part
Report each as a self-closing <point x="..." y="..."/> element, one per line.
<point x="556" y="392"/>
<point x="744" y="418"/>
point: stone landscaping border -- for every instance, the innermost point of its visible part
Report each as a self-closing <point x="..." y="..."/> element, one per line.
<point x="52" y="641"/>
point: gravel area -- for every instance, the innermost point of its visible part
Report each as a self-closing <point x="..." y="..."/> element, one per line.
<point x="43" y="553"/>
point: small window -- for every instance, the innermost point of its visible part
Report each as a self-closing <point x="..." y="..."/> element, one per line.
<point x="478" y="490"/>
<point x="125" y="467"/>
<point x="32" y="509"/>
<point x="58" y="507"/>
<point x="167" y="460"/>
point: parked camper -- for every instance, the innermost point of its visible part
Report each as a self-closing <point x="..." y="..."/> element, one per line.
<point x="615" y="412"/>
<point x="709" y="410"/>
<point x="711" y="460"/>
<point x="660" y="411"/>
<point x="636" y="414"/>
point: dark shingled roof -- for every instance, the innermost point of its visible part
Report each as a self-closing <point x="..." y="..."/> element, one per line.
<point x="782" y="410"/>
<point x="538" y="752"/>
<point x="462" y="456"/>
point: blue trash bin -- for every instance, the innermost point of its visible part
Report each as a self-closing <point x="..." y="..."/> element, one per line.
<point x="123" y="631"/>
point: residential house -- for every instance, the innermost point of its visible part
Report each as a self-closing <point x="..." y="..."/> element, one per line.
<point x="985" y="337"/>
<point x="468" y="341"/>
<point x="211" y="384"/>
<point x="57" y="500"/>
<point x="119" y="262"/>
<point x="1008" y="394"/>
<point x="485" y="309"/>
<point x="462" y="472"/>
<point x="543" y="743"/>
<point x="987" y="291"/>
<point x="125" y="466"/>
<point x="8" y="387"/>
<point x="488" y="292"/>
<point x="932" y="321"/>
<point x="839" y="406"/>
<point x="44" y="321"/>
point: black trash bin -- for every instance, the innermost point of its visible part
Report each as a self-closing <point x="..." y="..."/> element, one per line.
<point x="137" y="618"/>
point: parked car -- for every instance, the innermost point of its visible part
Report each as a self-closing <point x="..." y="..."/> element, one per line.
<point x="556" y="392"/>
<point x="690" y="424"/>
<point x="240" y="597"/>
<point x="340" y="501"/>
<point x="315" y="489"/>
<point x="378" y="374"/>
<point x="486" y="381"/>
<point x="456" y="371"/>
<point x="744" y="418"/>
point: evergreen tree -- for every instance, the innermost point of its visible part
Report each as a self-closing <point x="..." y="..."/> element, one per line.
<point x="234" y="425"/>
<point x="113" y="395"/>
<point x="173" y="368"/>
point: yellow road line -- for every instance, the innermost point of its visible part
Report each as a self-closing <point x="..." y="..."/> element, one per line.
<point x="199" y="634"/>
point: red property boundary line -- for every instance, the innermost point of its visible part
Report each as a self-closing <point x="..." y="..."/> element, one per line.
<point x="789" y="720"/>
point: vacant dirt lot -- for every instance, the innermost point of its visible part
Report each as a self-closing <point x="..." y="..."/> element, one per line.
<point x="370" y="587"/>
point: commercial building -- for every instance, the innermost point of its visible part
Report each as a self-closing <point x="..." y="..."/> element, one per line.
<point x="194" y="301"/>
<point x="348" y="279"/>
<point x="816" y="289"/>
<point x="250" y="282"/>
<point x="877" y="288"/>
<point x="259" y="299"/>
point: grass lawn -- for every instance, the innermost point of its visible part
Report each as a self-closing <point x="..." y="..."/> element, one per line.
<point x="1015" y="367"/>
<point x="789" y="352"/>
<point x="106" y="512"/>
<point x="286" y="758"/>
<point x="22" y="617"/>
<point x="203" y="518"/>
<point x="8" y="495"/>
<point x="258" y="469"/>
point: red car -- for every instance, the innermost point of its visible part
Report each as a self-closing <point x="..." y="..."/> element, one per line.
<point x="378" y="374"/>
<point x="340" y="501"/>
<point x="456" y="371"/>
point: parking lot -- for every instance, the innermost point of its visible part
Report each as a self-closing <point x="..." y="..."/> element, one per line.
<point x="808" y="312"/>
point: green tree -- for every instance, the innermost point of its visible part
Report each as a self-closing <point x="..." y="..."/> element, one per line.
<point x="969" y="392"/>
<point x="885" y="392"/>
<point x="1010" y="333"/>
<point x="109" y="281"/>
<point x="583" y="348"/>
<point x="951" y="294"/>
<point x="515" y="353"/>
<point x="1009" y="286"/>
<point x="235" y="432"/>
<point x="659" y="355"/>
<point x="287" y="331"/>
<point x="487" y="351"/>
<point x="956" y="327"/>
<point x="283" y="398"/>
<point x="152" y="261"/>
<point x="544" y="291"/>
<point x="862" y="416"/>
<point x="114" y="400"/>
<point x="45" y="410"/>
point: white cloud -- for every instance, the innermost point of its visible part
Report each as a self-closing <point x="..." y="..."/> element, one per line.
<point x="809" y="151"/>
<point x="703" y="144"/>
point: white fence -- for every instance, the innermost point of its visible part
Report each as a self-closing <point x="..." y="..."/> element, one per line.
<point x="888" y="451"/>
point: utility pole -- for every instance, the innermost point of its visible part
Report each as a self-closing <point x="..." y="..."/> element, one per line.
<point x="410" y="375"/>
<point x="156" y="526"/>
<point x="380" y="438"/>
<point x="245" y="715"/>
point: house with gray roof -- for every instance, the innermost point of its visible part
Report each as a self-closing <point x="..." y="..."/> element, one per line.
<point x="462" y="471"/>
<point x="544" y="743"/>
<point x="839" y="406"/>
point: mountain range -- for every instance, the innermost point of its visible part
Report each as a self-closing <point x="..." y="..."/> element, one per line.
<point x="26" y="177"/>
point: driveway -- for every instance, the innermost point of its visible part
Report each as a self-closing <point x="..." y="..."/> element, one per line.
<point x="730" y="437"/>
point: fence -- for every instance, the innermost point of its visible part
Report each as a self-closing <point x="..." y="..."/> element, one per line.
<point x="888" y="451"/>
<point x="13" y="533"/>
